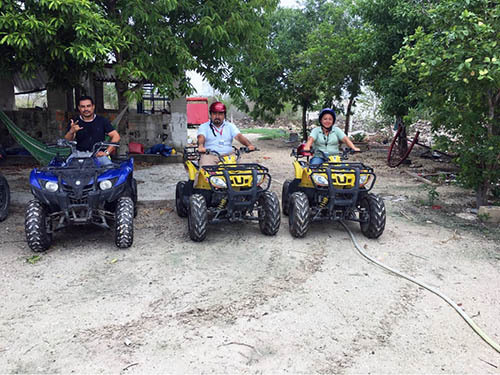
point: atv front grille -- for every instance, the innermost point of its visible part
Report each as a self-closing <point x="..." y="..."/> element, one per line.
<point x="74" y="197"/>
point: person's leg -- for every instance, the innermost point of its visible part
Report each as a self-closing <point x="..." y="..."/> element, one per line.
<point x="104" y="160"/>
<point x="78" y="154"/>
<point x="316" y="161"/>
<point x="208" y="159"/>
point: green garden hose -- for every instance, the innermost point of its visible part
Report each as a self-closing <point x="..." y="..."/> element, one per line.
<point x="469" y="321"/>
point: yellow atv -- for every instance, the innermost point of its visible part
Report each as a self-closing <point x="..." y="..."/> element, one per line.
<point x="227" y="191"/>
<point x="334" y="190"/>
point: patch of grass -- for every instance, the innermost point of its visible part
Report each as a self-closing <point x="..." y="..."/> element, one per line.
<point x="266" y="133"/>
<point x="33" y="259"/>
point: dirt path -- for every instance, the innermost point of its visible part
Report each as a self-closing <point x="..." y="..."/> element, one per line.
<point x="241" y="302"/>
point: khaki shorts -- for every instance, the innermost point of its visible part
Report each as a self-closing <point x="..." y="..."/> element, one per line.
<point x="210" y="159"/>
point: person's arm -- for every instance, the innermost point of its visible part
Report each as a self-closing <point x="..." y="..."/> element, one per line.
<point x="349" y="143"/>
<point x="244" y="141"/>
<point x="309" y="143"/>
<point x="114" y="138"/>
<point x="71" y="133"/>
<point x="201" y="144"/>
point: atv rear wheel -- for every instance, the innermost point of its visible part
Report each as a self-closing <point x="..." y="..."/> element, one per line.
<point x="197" y="217"/>
<point x="124" y="222"/>
<point x="36" y="225"/>
<point x="285" y="198"/>
<point x="180" y="207"/>
<point x="299" y="218"/>
<point x="373" y="218"/>
<point x="4" y="198"/>
<point x="269" y="213"/>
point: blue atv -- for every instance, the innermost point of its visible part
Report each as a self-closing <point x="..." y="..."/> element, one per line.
<point x="4" y="191"/>
<point x="80" y="191"/>
<point x="4" y="198"/>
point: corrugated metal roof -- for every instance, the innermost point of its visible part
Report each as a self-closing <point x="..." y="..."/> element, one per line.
<point x="39" y="81"/>
<point x="106" y="75"/>
<point x="26" y="85"/>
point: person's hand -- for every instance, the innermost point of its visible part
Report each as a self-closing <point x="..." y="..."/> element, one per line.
<point x="307" y="148"/>
<point x="356" y="149"/>
<point x="101" y="153"/>
<point x="74" y="127"/>
<point x="202" y="149"/>
<point x="251" y="147"/>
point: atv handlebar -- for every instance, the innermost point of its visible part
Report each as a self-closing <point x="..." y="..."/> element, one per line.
<point x="64" y="143"/>
<point x="344" y="155"/>
<point x="191" y="152"/>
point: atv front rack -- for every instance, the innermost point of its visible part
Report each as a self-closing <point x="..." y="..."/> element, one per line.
<point x="344" y="173"/>
<point x="238" y="174"/>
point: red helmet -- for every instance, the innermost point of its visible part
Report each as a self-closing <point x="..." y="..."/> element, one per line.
<point x="301" y="152"/>
<point x="217" y="107"/>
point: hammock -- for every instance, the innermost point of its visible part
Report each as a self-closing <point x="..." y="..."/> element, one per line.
<point x="39" y="150"/>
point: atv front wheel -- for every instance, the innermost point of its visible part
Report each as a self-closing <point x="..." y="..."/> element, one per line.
<point x="299" y="219"/>
<point x="373" y="216"/>
<point x="134" y="195"/>
<point x="285" y="198"/>
<point x="180" y="207"/>
<point x="36" y="225"/>
<point x="4" y="198"/>
<point x="124" y="222"/>
<point x="197" y="217"/>
<point x="269" y="213"/>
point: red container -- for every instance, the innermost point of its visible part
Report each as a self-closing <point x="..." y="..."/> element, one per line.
<point x="135" y="148"/>
<point x="197" y="111"/>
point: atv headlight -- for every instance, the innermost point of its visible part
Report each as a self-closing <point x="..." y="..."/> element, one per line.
<point x="105" y="184"/>
<point x="363" y="179"/>
<point x="218" y="182"/>
<point x="260" y="179"/>
<point x="320" y="180"/>
<point x="51" y="186"/>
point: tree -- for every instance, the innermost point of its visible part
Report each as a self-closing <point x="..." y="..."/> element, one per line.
<point x="333" y="53"/>
<point x="66" y="38"/>
<point x="169" y="37"/>
<point x="387" y="23"/>
<point x="457" y="62"/>
<point x="282" y="75"/>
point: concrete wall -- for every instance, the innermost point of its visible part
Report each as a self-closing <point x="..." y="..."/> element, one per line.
<point x="49" y="125"/>
<point x="7" y="99"/>
<point x="46" y="126"/>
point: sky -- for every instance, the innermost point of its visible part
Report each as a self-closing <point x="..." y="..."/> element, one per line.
<point x="289" y="3"/>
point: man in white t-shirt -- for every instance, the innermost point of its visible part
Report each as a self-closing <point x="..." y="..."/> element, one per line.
<point x="217" y="135"/>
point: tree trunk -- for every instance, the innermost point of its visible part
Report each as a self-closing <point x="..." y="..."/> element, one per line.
<point x="482" y="194"/>
<point x="304" y="123"/>
<point x="121" y="88"/>
<point x="348" y="115"/>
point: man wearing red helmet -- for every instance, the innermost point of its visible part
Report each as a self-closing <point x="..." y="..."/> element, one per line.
<point x="217" y="135"/>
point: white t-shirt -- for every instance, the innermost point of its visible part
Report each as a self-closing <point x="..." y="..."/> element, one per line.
<point x="220" y="138"/>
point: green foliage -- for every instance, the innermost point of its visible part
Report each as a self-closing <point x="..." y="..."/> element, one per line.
<point x="387" y="23"/>
<point x="311" y="59"/>
<point x="65" y="38"/>
<point x="457" y="66"/>
<point x="358" y="137"/>
<point x="432" y="195"/>
<point x="266" y="133"/>
<point x="279" y="72"/>
<point x="34" y="259"/>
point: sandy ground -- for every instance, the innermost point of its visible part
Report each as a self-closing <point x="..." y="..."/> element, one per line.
<point x="241" y="302"/>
